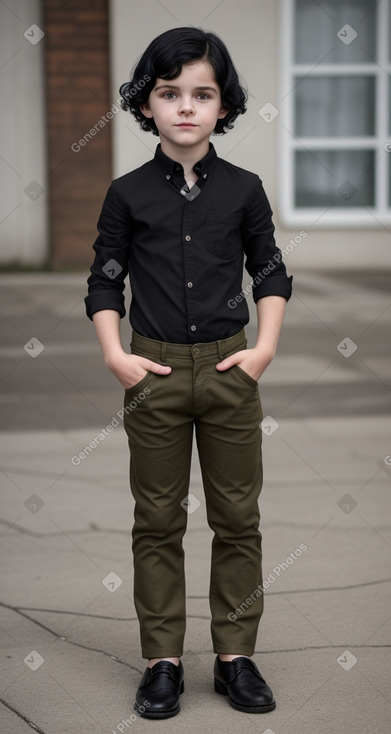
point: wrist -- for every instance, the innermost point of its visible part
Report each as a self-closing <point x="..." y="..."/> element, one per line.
<point x="113" y="356"/>
<point x="265" y="353"/>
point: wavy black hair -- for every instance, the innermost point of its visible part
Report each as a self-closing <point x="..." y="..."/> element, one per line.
<point x="164" y="58"/>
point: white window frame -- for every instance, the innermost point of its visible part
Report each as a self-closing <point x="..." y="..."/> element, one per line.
<point x="328" y="217"/>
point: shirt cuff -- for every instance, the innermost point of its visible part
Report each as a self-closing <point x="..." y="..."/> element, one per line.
<point x="274" y="286"/>
<point x="102" y="300"/>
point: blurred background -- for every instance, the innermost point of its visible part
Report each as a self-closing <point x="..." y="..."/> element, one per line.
<point x="317" y="129"/>
<point x="318" y="133"/>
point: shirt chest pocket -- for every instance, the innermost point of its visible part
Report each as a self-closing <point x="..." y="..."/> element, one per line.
<point x="222" y="233"/>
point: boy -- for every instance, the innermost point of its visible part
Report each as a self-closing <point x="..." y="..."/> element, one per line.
<point x="180" y="225"/>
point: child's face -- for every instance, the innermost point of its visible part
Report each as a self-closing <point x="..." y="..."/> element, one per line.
<point x="193" y="97"/>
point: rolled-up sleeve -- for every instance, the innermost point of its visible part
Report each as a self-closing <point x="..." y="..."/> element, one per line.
<point x="112" y="251"/>
<point x="263" y="258"/>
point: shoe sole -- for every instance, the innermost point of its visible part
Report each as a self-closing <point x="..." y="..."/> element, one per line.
<point x="157" y="714"/>
<point x="221" y="688"/>
<point x="160" y="714"/>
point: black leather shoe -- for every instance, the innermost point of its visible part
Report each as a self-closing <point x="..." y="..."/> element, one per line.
<point x="157" y="696"/>
<point x="241" y="680"/>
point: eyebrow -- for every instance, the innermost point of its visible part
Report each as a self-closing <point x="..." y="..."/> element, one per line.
<point x="172" y="86"/>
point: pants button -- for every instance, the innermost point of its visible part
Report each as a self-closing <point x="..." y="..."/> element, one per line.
<point x="196" y="351"/>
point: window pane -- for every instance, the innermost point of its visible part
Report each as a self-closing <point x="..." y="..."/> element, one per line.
<point x="330" y="106"/>
<point x="341" y="178"/>
<point x="389" y="179"/>
<point x="317" y="24"/>
<point x="389" y="35"/>
<point x="389" y="104"/>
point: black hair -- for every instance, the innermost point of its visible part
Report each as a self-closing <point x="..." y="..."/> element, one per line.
<point x="164" y="58"/>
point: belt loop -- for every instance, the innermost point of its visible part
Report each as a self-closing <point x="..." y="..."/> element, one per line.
<point x="220" y="349"/>
<point x="163" y="351"/>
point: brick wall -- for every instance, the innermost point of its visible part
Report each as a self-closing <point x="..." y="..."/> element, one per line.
<point x="77" y="96"/>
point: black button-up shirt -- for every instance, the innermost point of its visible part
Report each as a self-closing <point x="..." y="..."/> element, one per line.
<point x="184" y="249"/>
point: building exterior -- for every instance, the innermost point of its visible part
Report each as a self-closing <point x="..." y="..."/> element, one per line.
<point x="317" y="129"/>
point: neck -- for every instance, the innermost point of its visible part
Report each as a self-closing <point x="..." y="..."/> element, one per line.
<point x="187" y="156"/>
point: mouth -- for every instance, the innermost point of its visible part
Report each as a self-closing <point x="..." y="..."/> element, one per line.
<point x="186" y="124"/>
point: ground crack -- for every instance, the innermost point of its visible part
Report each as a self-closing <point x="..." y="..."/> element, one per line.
<point x="21" y="716"/>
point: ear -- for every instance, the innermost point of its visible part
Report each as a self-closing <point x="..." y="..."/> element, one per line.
<point x="223" y="112"/>
<point x="145" y="109"/>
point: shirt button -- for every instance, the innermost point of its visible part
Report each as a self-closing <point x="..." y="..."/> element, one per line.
<point x="193" y="328"/>
<point x="204" y="175"/>
<point x="187" y="238"/>
<point x="190" y="284"/>
<point x="178" y="169"/>
<point x="168" y="176"/>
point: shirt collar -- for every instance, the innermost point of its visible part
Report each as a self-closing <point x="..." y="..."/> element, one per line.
<point x="169" y="167"/>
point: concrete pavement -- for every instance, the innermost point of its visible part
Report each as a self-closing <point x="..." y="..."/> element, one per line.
<point x="70" y="646"/>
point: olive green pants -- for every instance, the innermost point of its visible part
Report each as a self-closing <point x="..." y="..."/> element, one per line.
<point x="160" y="412"/>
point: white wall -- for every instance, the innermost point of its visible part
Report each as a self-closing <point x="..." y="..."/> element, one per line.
<point x="250" y="29"/>
<point x="23" y="219"/>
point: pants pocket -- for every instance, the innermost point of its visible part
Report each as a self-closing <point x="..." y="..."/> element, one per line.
<point x="139" y="385"/>
<point x="245" y="376"/>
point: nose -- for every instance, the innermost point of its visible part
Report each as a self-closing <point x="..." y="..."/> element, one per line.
<point x="186" y="105"/>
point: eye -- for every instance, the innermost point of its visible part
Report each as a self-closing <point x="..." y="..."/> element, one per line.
<point x="166" y="93"/>
<point x="203" y="94"/>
